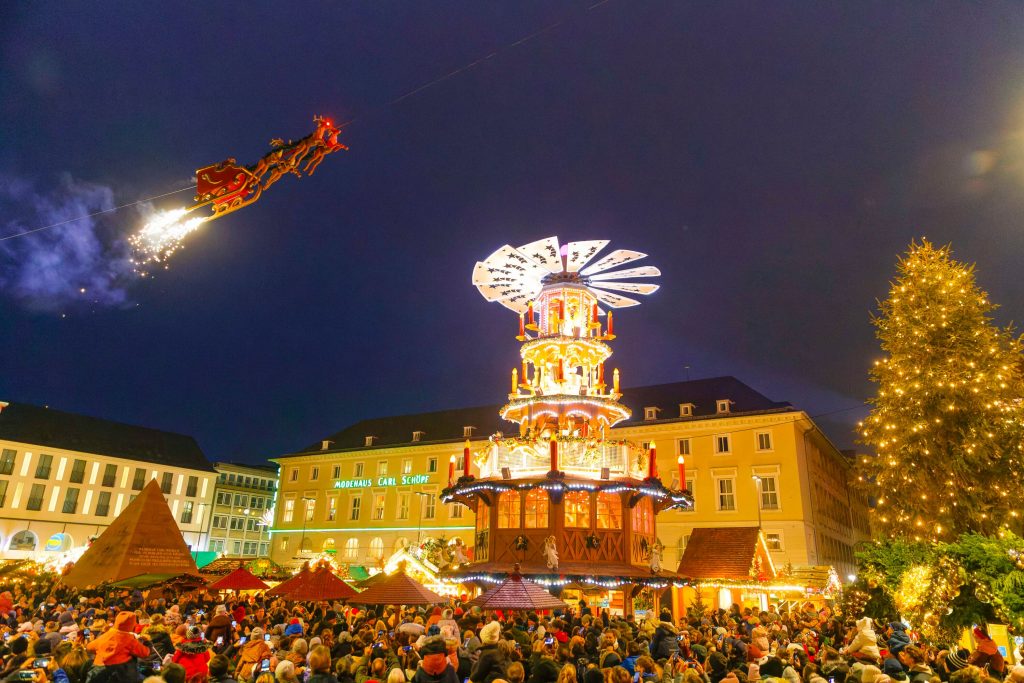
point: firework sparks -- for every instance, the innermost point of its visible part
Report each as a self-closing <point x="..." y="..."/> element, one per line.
<point x="163" y="235"/>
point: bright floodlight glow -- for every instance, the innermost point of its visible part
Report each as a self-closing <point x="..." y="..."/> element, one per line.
<point x="163" y="235"/>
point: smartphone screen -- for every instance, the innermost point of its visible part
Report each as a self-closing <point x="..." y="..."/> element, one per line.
<point x="234" y="624"/>
<point x="241" y="641"/>
<point x="265" y="665"/>
<point x="266" y="637"/>
<point x="220" y="640"/>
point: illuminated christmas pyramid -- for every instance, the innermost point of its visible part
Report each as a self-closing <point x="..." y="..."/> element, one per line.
<point x="572" y="507"/>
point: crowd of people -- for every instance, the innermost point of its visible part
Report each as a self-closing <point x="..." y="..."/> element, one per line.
<point x="126" y="638"/>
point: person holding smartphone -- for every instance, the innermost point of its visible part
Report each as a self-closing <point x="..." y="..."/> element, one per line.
<point x="254" y="651"/>
<point x="119" y="650"/>
<point x="193" y="653"/>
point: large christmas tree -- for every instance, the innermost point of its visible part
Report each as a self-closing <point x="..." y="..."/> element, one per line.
<point x="946" y="423"/>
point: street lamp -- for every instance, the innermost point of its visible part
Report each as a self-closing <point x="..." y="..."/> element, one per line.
<point x="419" y="517"/>
<point x="200" y="543"/>
<point x="757" y="485"/>
<point x="305" y="516"/>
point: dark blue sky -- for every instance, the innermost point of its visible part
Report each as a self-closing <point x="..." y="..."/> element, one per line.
<point x="772" y="157"/>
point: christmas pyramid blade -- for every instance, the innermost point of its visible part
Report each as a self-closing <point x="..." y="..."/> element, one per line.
<point x="642" y="271"/>
<point x="544" y="252"/>
<point x="578" y="254"/>
<point x="614" y="300"/>
<point x="628" y="287"/>
<point x="614" y="260"/>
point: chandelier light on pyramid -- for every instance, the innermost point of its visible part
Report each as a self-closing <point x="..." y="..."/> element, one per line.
<point x="563" y="500"/>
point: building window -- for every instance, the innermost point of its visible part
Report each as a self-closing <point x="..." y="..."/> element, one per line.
<point x="293" y="474"/>
<point x="455" y="510"/>
<point x="264" y="547"/>
<point x="236" y="547"/>
<point x="726" y="494"/>
<point x="284" y="543"/>
<point x="722" y="406"/>
<point x="192" y="487"/>
<point x="357" y="470"/>
<point x="773" y="539"/>
<point x="70" y="502"/>
<point x="310" y="508"/>
<point x="510" y="507"/>
<point x="43" y="466"/>
<point x="103" y="504"/>
<point x="332" y="509"/>
<point x="432" y="465"/>
<point x="643" y="517"/>
<point x="764" y="441"/>
<point x="403" y="505"/>
<point x="407" y="466"/>
<point x="165" y="483"/>
<point x="722" y="445"/>
<point x="609" y="511"/>
<point x="78" y="472"/>
<point x="684" y="446"/>
<point x="7" y="459"/>
<point x="139" y="480"/>
<point x="417" y="436"/>
<point x="378" y="506"/>
<point x="537" y="505"/>
<point x="650" y="413"/>
<point x="382" y="468"/>
<point x="240" y="500"/>
<point x="430" y="509"/>
<point x="289" y="510"/>
<point x="467" y="432"/>
<point x="109" y="475"/>
<point x="577" y="509"/>
<point x="685" y="410"/>
<point x="351" y="548"/>
<point x="336" y="472"/>
<point x="186" y="513"/>
<point x="35" y="497"/>
<point x="3" y="492"/>
<point x="769" y="493"/>
<point x="377" y="548"/>
<point x="314" y="473"/>
<point x="370" y="440"/>
<point x="357" y="503"/>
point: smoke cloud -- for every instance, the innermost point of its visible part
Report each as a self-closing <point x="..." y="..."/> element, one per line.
<point x="82" y="264"/>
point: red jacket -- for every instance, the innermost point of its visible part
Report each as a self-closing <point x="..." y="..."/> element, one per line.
<point x="195" y="663"/>
<point x="118" y="645"/>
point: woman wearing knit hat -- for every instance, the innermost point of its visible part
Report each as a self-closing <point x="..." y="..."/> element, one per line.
<point x="193" y="653"/>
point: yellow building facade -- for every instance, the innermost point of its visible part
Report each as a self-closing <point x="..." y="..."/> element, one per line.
<point x="370" y="489"/>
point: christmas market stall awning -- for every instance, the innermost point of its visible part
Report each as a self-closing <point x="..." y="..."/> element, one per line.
<point x="320" y="584"/>
<point x="239" y="580"/>
<point x="726" y="554"/>
<point x="358" y="573"/>
<point x="260" y="567"/>
<point x="292" y="583"/>
<point x="398" y="589"/>
<point x="517" y="593"/>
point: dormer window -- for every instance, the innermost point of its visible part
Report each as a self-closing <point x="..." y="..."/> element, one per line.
<point x="467" y="432"/>
<point x="686" y="409"/>
<point x="371" y="441"/>
<point x="651" y="412"/>
<point x="722" y="406"/>
<point x="417" y="436"/>
<point x="325" y="444"/>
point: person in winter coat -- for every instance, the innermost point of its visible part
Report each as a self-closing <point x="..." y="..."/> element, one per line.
<point x="491" y="662"/>
<point x="916" y="664"/>
<point x="294" y="627"/>
<point x="898" y="638"/>
<point x="759" y="638"/>
<point x="985" y="654"/>
<point x="159" y="636"/>
<point x="219" y="667"/>
<point x="864" y="646"/>
<point x="545" y="669"/>
<point x="193" y="654"/>
<point x="117" y="650"/>
<point x="665" y="641"/>
<point x="435" y="667"/>
<point x="172" y="617"/>
<point x="320" y="666"/>
<point x="219" y="628"/>
<point x="449" y="627"/>
<point x="251" y="654"/>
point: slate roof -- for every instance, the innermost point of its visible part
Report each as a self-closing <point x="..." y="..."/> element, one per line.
<point x="46" y="427"/>
<point x="445" y="426"/>
<point x="724" y="553"/>
<point x="517" y="593"/>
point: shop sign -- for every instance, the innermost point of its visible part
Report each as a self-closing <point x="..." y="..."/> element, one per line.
<point x="404" y="480"/>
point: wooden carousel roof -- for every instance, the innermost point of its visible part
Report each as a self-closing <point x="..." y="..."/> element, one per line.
<point x="517" y="593"/>
<point x="597" y="570"/>
<point x="723" y="553"/>
<point x="398" y="589"/>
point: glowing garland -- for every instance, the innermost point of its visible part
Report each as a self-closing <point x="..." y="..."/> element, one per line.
<point x="654" y="489"/>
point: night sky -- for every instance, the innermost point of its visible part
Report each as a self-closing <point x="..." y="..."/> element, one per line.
<point x="773" y="158"/>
